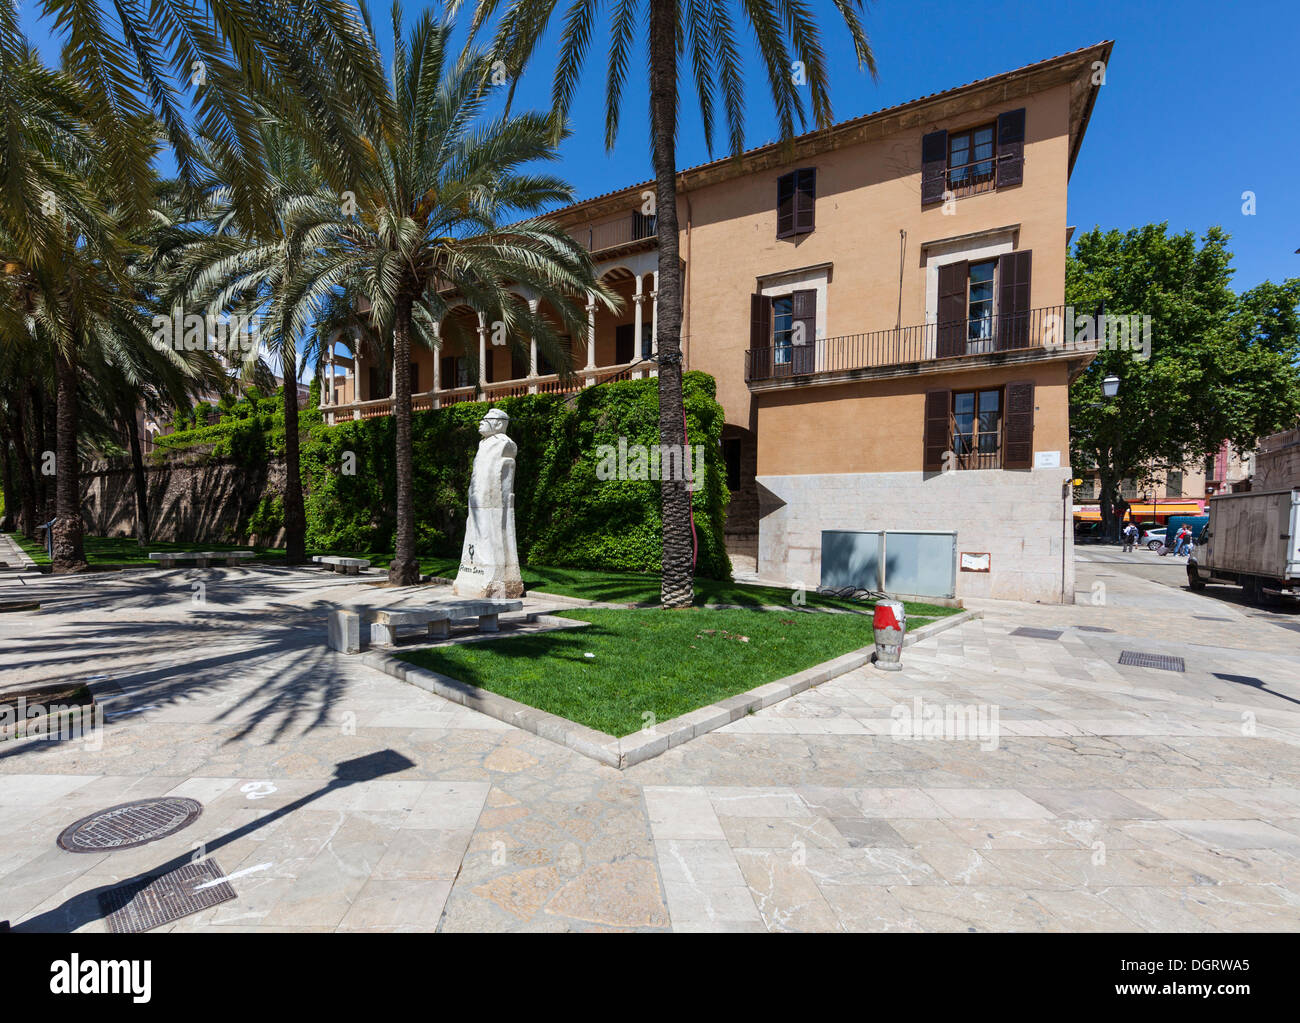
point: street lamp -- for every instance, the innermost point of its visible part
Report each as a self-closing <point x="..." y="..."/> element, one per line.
<point x="1110" y="386"/>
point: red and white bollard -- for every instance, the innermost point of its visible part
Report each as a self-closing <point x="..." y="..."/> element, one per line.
<point x="891" y="625"/>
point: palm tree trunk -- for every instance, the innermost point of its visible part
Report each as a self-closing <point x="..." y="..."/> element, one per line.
<point x="7" y="481"/>
<point x="678" y="553"/>
<point x="405" y="569"/>
<point x="69" y="530"/>
<point x="295" y="519"/>
<point x="26" y="477"/>
<point x="46" y="431"/>
<point x="142" y="525"/>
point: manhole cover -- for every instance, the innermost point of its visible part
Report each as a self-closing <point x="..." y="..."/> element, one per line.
<point x="1093" y="628"/>
<point x="1033" y="633"/>
<point x="1165" y="662"/>
<point x="129" y="825"/>
<point x="139" y="907"/>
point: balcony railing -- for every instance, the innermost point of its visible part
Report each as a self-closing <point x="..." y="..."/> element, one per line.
<point x="634" y="227"/>
<point x="543" y="384"/>
<point x="928" y="342"/>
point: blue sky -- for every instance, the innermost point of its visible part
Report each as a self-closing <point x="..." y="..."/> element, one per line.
<point x="1200" y="105"/>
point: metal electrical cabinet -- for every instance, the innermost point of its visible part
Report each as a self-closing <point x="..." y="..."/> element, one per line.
<point x="909" y="562"/>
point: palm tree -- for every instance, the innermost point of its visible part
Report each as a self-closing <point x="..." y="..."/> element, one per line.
<point x="429" y="230"/>
<point x="311" y="59"/>
<point x="786" y="33"/>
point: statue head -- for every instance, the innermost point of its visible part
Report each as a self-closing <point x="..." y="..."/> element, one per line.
<point x="493" y="423"/>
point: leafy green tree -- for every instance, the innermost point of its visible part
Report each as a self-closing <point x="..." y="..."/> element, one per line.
<point x="1221" y="366"/>
<point x="704" y="32"/>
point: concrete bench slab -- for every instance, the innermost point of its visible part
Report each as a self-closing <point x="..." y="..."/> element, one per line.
<point x="350" y="566"/>
<point x="168" y="559"/>
<point x="345" y="623"/>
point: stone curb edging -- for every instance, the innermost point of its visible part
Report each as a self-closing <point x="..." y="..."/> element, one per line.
<point x="632" y="749"/>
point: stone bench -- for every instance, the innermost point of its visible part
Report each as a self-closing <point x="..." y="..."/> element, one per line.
<point x="436" y="619"/>
<point x="352" y="566"/>
<point x="168" y="559"/>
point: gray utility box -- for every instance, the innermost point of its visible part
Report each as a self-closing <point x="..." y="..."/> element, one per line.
<point x="906" y="562"/>
<point x="1253" y="540"/>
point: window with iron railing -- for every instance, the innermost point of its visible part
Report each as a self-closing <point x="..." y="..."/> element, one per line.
<point x="971" y="160"/>
<point x="977" y="429"/>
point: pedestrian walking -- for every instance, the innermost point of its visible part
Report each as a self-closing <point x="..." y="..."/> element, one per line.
<point x="1130" y="537"/>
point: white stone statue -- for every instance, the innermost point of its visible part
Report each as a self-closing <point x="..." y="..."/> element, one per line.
<point x="489" y="561"/>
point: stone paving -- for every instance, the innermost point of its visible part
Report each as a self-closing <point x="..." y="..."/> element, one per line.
<point x="1070" y="792"/>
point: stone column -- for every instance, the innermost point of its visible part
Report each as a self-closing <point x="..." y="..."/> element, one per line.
<point x="591" y="339"/>
<point x="482" y="351"/>
<point x="637" y="298"/>
<point x="654" y="322"/>
<point x="533" y="304"/>
<point x="437" y="366"/>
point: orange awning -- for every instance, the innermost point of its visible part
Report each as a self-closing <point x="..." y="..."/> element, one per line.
<point x="1146" y="510"/>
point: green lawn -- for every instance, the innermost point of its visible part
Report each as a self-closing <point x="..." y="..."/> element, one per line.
<point x="648" y="661"/>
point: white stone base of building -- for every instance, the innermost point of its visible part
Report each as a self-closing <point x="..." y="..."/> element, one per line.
<point x="1024" y="521"/>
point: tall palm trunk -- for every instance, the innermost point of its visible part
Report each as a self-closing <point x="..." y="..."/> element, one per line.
<point x="45" y="431"/>
<point x="143" y="528"/>
<point x="676" y="584"/>
<point x="405" y="570"/>
<point x="69" y="530"/>
<point x="26" y="477"/>
<point x="295" y="519"/>
<point x="7" y="480"/>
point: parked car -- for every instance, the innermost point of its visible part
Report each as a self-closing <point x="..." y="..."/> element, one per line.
<point x="1154" y="539"/>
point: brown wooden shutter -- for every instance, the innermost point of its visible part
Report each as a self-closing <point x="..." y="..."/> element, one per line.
<point x="805" y="200"/>
<point x="938" y="440"/>
<point x="952" y="310"/>
<point x="1018" y="426"/>
<point x="1013" y="299"/>
<point x="785" y="205"/>
<point x="1011" y="147"/>
<point x="760" y="337"/>
<point x="447" y="372"/>
<point x="804" y="311"/>
<point x="934" y="167"/>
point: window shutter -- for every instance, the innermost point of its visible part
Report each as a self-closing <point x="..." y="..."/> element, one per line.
<point x="760" y="336"/>
<point x="447" y="372"/>
<point x="934" y="167"/>
<point x="1018" y="426"/>
<point x="785" y="205"/>
<point x="1011" y="147"/>
<point x="937" y="438"/>
<point x="804" y="313"/>
<point x="805" y="200"/>
<point x="1013" y="299"/>
<point x="952" y="311"/>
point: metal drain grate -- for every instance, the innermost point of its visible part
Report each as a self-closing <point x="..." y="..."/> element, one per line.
<point x="1032" y="633"/>
<point x="129" y="825"/>
<point x="140" y="907"/>
<point x="1165" y="662"/>
<point x="1093" y="628"/>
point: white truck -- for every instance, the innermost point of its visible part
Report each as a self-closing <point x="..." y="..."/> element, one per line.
<point x="1253" y="541"/>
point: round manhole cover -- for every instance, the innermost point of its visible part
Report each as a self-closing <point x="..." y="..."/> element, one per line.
<point x="129" y="825"/>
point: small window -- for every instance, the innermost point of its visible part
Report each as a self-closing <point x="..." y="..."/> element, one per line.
<point x="977" y="428"/>
<point x="782" y="329"/>
<point x="796" y="200"/>
<point x="971" y="160"/>
<point x="1174" y="485"/>
<point x="979" y="306"/>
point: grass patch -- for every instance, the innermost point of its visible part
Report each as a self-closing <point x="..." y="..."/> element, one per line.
<point x="647" y="661"/>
